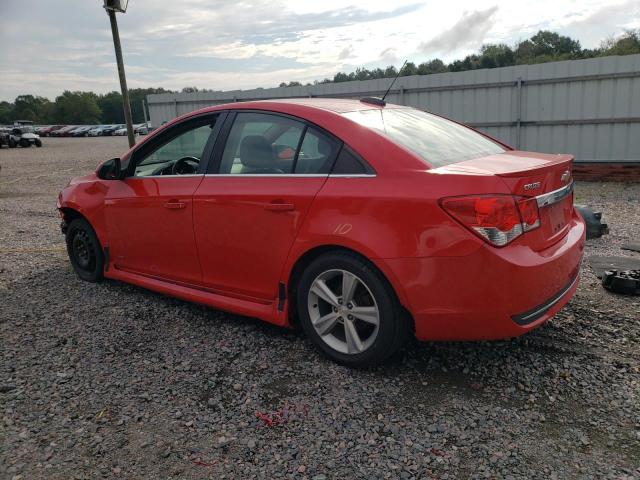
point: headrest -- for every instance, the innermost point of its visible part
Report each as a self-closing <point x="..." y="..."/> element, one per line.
<point x="256" y="152"/>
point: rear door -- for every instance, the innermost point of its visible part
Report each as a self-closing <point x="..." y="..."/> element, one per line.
<point x="249" y="208"/>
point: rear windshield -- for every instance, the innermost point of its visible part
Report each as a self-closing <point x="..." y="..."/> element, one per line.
<point x="438" y="141"/>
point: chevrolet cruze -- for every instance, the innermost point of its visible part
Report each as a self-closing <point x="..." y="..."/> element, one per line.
<point x="363" y="222"/>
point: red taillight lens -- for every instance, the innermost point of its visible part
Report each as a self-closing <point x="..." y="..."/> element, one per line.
<point x="528" y="208"/>
<point x="498" y="219"/>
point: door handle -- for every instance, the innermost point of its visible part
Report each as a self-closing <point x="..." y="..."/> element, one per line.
<point x="174" y="205"/>
<point x="279" y="207"/>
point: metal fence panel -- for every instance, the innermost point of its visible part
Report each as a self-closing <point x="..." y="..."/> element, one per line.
<point x="590" y="108"/>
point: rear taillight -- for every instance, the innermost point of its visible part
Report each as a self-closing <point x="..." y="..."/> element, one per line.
<point x="498" y="219"/>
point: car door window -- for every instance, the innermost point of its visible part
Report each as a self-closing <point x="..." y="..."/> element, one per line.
<point x="261" y="144"/>
<point x="317" y="152"/>
<point x="180" y="153"/>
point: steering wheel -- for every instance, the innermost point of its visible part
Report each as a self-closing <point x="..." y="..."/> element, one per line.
<point x="185" y="166"/>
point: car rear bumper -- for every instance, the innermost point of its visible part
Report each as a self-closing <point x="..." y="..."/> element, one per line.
<point x="494" y="292"/>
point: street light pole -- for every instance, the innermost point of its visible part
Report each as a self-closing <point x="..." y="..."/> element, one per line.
<point x="123" y="79"/>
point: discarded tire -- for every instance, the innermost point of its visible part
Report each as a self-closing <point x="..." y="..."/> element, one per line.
<point x="626" y="282"/>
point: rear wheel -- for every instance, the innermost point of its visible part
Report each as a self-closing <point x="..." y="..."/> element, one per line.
<point x="349" y="311"/>
<point x="12" y="143"/>
<point x="85" y="252"/>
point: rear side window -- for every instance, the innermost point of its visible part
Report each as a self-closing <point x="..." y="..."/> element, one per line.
<point x="436" y="140"/>
<point x="349" y="163"/>
<point x="261" y="143"/>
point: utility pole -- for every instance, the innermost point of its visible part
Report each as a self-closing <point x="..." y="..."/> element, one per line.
<point x="111" y="11"/>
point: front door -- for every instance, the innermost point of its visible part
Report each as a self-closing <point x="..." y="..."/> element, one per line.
<point x="150" y="213"/>
<point x="248" y="210"/>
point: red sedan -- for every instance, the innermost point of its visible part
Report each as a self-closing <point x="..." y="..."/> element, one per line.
<point x="364" y="222"/>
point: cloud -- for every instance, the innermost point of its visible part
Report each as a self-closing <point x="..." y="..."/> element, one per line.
<point x="220" y="44"/>
<point x="606" y="21"/>
<point x="346" y="52"/>
<point x="389" y="55"/>
<point x="468" y="32"/>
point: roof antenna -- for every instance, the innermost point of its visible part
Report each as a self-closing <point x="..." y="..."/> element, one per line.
<point x="380" y="101"/>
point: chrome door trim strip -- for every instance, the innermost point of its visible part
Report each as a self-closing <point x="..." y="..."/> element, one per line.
<point x="555" y="196"/>
<point x="291" y="175"/>
<point x="262" y="175"/>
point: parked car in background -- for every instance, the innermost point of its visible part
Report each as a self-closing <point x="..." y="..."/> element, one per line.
<point x="367" y="222"/>
<point x="62" y="132"/>
<point x="4" y="136"/>
<point x="112" y="128"/>
<point x="120" y="132"/>
<point x="141" y="129"/>
<point x="45" y="132"/>
<point x="98" y="130"/>
<point x="82" y="131"/>
<point x="71" y="132"/>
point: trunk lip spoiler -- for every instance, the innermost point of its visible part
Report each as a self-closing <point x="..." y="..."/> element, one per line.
<point x="555" y="196"/>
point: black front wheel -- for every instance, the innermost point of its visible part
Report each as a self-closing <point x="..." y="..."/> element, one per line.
<point x="38" y="143"/>
<point x="85" y="252"/>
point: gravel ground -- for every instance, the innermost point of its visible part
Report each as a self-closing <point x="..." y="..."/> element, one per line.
<point x="111" y="381"/>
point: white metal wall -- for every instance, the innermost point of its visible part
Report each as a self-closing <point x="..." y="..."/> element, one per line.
<point x="590" y="108"/>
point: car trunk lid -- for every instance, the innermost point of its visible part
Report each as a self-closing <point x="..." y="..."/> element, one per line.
<point x="547" y="177"/>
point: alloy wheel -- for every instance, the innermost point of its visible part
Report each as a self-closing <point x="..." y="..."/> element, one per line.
<point x="343" y="311"/>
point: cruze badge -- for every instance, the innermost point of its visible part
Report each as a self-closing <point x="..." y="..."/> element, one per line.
<point x="531" y="186"/>
<point x="566" y="175"/>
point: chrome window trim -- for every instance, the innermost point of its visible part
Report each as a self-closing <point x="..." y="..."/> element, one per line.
<point x="263" y="175"/>
<point x="555" y="196"/>
<point x="292" y="175"/>
<point x="164" y="176"/>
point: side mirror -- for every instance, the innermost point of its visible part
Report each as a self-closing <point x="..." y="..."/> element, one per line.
<point x="110" y="170"/>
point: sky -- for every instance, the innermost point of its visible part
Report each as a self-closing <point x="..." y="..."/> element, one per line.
<point x="49" y="46"/>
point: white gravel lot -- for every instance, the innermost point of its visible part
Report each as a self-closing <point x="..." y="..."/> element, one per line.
<point x="111" y="381"/>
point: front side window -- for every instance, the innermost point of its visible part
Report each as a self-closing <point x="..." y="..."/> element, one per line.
<point x="180" y="154"/>
<point x="436" y="140"/>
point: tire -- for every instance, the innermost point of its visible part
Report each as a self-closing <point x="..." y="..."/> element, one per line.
<point x="12" y="143"/>
<point x="38" y="143"/>
<point x="385" y="327"/>
<point x="85" y="251"/>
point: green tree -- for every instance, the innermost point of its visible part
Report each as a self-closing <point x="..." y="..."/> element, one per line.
<point x="496" y="55"/>
<point x="433" y="66"/>
<point x="547" y="46"/>
<point x="111" y="106"/>
<point x="6" y="112"/>
<point x="77" y="108"/>
<point x="34" y="108"/>
<point x="627" y="44"/>
<point x="409" y="69"/>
